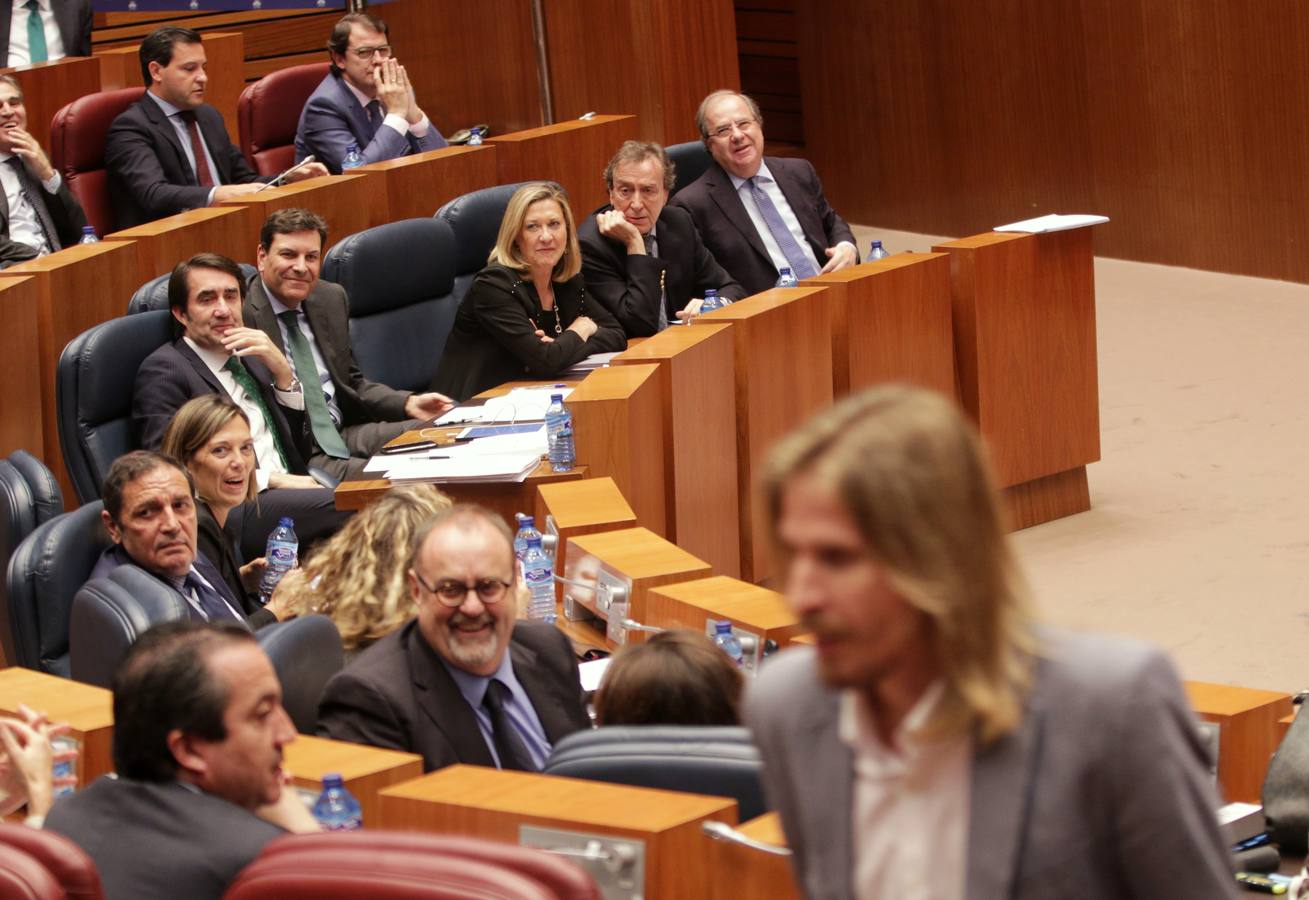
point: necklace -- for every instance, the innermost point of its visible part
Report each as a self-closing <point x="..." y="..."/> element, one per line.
<point x="558" y="329"/>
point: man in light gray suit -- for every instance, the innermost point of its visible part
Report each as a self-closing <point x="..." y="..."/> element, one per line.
<point x="935" y="743"/>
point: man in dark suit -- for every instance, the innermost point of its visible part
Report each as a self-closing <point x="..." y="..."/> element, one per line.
<point x="464" y="682"/>
<point x="349" y="417"/>
<point x="38" y="214"/>
<point x="759" y="214"/>
<point x="169" y="151"/>
<point x="365" y="100"/>
<point x="642" y="259"/>
<point x="44" y="31"/>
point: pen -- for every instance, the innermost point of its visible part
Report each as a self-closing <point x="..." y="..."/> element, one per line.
<point x="1260" y="883"/>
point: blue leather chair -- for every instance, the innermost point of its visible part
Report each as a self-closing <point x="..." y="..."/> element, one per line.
<point x="400" y="281"/>
<point x="306" y="652"/>
<point x="109" y="614"/>
<point x="475" y="220"/>
<point x="154" y="293"/>
<point x="691" y="160"/>
<point x="29" y="496"/>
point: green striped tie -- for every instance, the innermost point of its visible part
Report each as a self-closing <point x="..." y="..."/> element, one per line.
<point x="246" y="381"/>
<point x="320" y="418"/>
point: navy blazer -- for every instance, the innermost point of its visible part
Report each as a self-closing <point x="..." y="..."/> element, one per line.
<point x="333" y="119"/>
<point x="72" y="17"/>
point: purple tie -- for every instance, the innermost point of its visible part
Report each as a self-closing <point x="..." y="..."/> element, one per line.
<point x="794" y="253"/>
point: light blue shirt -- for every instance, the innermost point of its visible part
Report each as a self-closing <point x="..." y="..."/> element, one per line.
<point x="768" y="184"/>
<point x="518" y="707"/>
<point x="184" y="136"/>
<point x="324" y="377"/>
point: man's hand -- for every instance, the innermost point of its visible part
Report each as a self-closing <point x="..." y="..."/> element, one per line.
<point x="427" y="406"/>
<point x="289" y="811"/>
<point x="232" y="191"/>
<point x="313" y="170"/>
<point x="691" y="310"/>
<point x="287" y="480"/>
<point x="584" y="327"/>
<point x="839" y="257"/>
<point x="253" y="342"/>
<point x="29" y="151"/>
<point x="415" y="114"/>
<point x="614" y="225"/>
<point x="392" y="89"/>
<point x="30" y="755"/>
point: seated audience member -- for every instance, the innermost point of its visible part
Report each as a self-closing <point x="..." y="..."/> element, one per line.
<point x="643" y="259"/>
<point x="151" y="517"/>
<point x="365" y="100"/>
<point x="198" y="735"/>
<point x="358" y="578"/>
<point x="935" y="726"/>
<point x="674" y="678"/>
<point x="349" y="418"/>
<point x="464" y="682"/>
<point x="528" y="314"/>
<point x="34" y="31"/>
<point x="169" y="151"/>
<point x="40" y="214"/>
<point x="760" y="214"/>
<point x="27" y="759"/>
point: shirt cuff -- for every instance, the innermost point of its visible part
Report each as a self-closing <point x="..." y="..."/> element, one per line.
<point x="34" y="821"/>
<point x="397" y="122"/>
<point x="419" y="128"/>
<point x="292" y="399"/>
<point x="209" y="201"/>
<point x="261" y="479"/>
<point x="52" y="184"/>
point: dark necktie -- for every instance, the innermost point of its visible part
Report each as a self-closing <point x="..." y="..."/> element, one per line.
<point x="375" y="116"/>
<point x="652" y="249"/>
<point x="320" y="417"/>
<point x="508" y="745"/>
<point x="36" y="48"/>
<point x="790" y="247"/>
<point x="243" y="378"/>
<point x="203" y="176"/>
<point x="39" y="210"/>
<point x="211" y="603"/>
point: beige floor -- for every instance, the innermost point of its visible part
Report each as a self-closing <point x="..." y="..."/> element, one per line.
<point x="1198" y="536"/>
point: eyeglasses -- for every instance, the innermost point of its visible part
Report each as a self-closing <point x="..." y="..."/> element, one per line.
<point x="452" y="593"/>
<point x="366" y="53"/>
<point x="723" y="131"/>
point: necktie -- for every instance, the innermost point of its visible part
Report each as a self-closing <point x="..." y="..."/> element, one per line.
<point x="203" y="176"/>
<point x="375" y="116"/>
<point x="215" y="609"/>
<point x="43" y="220"/>
<point x="652" y="248"/>
<point x="36" y="48"/>
<point x="791" y="249"/>
<point x="243" y="377"/>
<point x="320" y="419"/>
<point x="508" y="745"/>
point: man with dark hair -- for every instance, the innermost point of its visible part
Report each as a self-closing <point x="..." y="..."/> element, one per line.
<point x="38" y="213"/>
<point x="366" y="100"/>
<point x="349" y="417"/>
<point x="199" y="790"/>
<point x="169" y="151"/>
<point x="35" y="31"/>
<point x="464" y="682"/>
<point x="643" y="259"/>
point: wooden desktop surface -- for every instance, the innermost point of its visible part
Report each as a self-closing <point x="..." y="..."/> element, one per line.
<point x="86" y="709"/>
<point x="415" y="187"/>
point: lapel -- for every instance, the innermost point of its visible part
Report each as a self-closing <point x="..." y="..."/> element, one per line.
<point x="540" y="690"/>
<point x="827" y="772"/>
<point x="6" y="14"/>
<point x="206" y="375"/>
<point x="327" y="336"/>
<point x="720" y="190"/>
<point x="260" y="312"/>
<point x="66" y="22"/>
<point x="4" y="199"/>
<point x="439" y="698"/>
<point x="361" y="129"/>
<point x="802" y="204"/>
<point x="164" y="129"/>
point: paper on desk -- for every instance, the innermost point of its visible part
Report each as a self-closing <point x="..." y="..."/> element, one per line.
<point x="592" y="671"/>
<point x="591" y="363"/>
<point x="522" y="404"/>
<point x="1053" y="222"/>
<point x="461" y="414"/>
<point x="506" y="457"/>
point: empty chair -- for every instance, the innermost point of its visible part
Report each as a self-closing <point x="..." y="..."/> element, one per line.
<point x="400" y="281"/>
<point x="475" y="220"/>
<point x="29" y="496"/>
<point x="691" y="160"/>
<point x="305" y="653"/>
<point x="68" y="863"/>
<point x="77" y="149"/>
<point x="24" y="877"/>
<point x="93" y="394"/>
<point x="268" y="114"/>
<point x="109" y="614"/>
<point x="154" y="293"/>
<point x="718" y="760"/>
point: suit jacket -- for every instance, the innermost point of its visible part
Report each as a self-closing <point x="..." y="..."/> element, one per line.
<point x="493" y="339"/>
<point x="1101" y="793"/>
<point x="732" y="238"/>
<point x="333" y="119"/>
<point x="629" y="286"/>
<point x="61" y="210"/>
<point x="73" y="18"/>
<point x="397" y="694"/>
<point x="174" y="374"/>
<point x="149" y="175"/>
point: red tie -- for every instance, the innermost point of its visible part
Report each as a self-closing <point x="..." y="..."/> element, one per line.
<point x="202" y="173"/>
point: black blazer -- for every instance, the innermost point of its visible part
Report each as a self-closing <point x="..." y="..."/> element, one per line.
<point x="149" y="176"/>
<point x="730" y="235"/>
<point x="214" y="542"/>
<point x="61" y="209"/>
<point x="174" y="374"/>
<point x="628" y="286"/>
<point x="493" y="339"/>
<point x="397" y="694"/>
<point x="73" y="18"/>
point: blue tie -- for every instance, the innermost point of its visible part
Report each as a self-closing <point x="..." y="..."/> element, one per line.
<point x="36" y="48"/>
<point x="375" y="116"/>
<point x="212" y="605"/>
<point x="794" y="253"/>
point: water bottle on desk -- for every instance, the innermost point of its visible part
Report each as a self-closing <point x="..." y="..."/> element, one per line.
<point x="540" y="579"/>
<point x="475" y="136"/>
<point x="336" y="809"/>
<point x="353" y="158"/>
<point x="786" y="278"/>
<point x="728" y="643"/>
<point x="88" y="235"/>
<point x="711" y="301"/>
<point x="559" y="433"/>
<point x="526" y="531"/>
<point x="281" y="552"/>
<point x="877" y="251"/>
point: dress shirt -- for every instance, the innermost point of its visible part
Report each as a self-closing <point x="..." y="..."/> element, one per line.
<point x="19" y="54"/>
<point x="324" y="376"/>
<point x="392" y="120"/>
<point x="768" y="185"/>
<point x="261" y="432"/>
<point x="184" y="136"/>
<point x="194" y="601"/>
<point x="518" y="707"/>
<point x="23" y="225"/>
<point x="911" y="804"/>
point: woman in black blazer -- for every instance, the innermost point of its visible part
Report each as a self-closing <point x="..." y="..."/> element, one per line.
<point x="527" y="315"/>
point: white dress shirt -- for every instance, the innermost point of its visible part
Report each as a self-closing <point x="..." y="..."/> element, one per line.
<point x="19" y="53"/>
<point x="184" y="135"/>
<point x="392" y="120"/>
<point x="23" y="224"/>
<point x="324" y="377"/>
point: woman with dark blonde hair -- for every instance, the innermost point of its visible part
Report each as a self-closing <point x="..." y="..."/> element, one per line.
<point x="674" y="678"/>
<point x="527" y="314"/>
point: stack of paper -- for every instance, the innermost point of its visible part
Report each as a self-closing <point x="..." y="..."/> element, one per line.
<point x="519" y="405"/>
<point x="1052" y="222"/>
<point x="591" y="363"/>
<point x="510" y="457"/>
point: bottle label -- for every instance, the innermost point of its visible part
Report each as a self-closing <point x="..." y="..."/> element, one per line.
<point x="282" y="555"/>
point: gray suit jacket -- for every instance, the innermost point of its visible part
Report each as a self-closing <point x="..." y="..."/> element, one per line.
<point x="1101" y="793"/>
<point x="59" y="212"/>
<point x="73" y="17"/>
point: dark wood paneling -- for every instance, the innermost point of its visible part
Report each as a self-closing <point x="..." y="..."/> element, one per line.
<point x="768" y="49"/>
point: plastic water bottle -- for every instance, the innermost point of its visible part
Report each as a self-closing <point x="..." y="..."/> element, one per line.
<point x="88" y="235"/>
<point x="711" y="301"/>
<point x="475" y="137"/>
<point x="559" y="433"/>
<point x="540" y="580"/>
<point x="877" y="251"/>
<point x="336" y="809"/>
<point x="728" y="643"/>
<point x="353" y="158"/>
<point x="63" y="768"/>
<point x="526" y="531"/>
<point x="281" y="552"/>
<point x="786" y="278"/>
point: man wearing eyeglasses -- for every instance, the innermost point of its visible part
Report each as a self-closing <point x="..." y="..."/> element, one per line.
<point x="464" y="682"/>
<point x="760" y="214"/>
<point x="365" y="100"/>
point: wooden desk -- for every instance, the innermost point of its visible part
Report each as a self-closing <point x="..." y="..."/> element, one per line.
<point x="568" y="509"/>
<point x="701" y="492"/>
<point x="365" y="770"/>
<point x="345" y="201"/>
<point x="1024" y="334"/>
<point x="415" y="187"/>
<point x="1249" y="732"/>
<point x="490" y="803"/>
<point x="741" y="872"/>
<point x="750" y="608"/>
<point x="88" y="710"/>
<point x="573" y="153"/>
<point x="164" y="243"/>
<point x="49" y="87"/>
<point x="22" y="424"/>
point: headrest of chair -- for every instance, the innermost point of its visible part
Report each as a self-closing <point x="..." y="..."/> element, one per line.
<point x="105" y="358"/>
<point x="393" y="265"/>
<point x="17" y="508"/>
<point x="23" y="877"/>
<point x="109" y="614"/>
<point x="270" y="107"/>
<point x="475" y="219"/>
<point x="732" y="741"/>
<point x="71" y="866"/>
<point x="305" y="652"/>
<point x="690" y="160"/>
<point x="153" y="295"/>
<point x="46" y="495"/>
<point x="79" y="130"/>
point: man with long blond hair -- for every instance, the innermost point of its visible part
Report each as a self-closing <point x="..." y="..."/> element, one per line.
<point x="936" y="743"/>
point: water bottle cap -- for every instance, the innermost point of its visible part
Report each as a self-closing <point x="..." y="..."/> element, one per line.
<point x="877" y="245"/>
<point x="526" y="521"/>
<point x="88" y="229"/>
<point x="724" y="627"/>
<point x="556" y="398"/>
<point x="286" y="522"/>
<point x="710" y="292"/>
<point x="785" y="270"/>
<point x="332" y="780"/>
